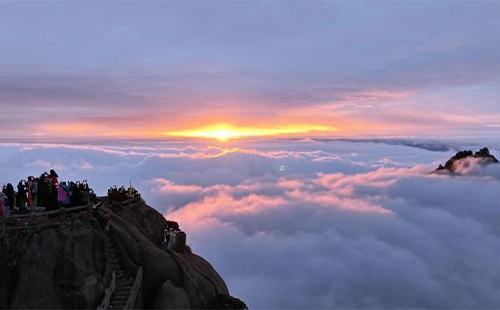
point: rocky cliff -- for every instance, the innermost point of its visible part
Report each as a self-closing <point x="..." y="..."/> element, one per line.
<point x="67" y="266"/>
<point x="483" y="156"/>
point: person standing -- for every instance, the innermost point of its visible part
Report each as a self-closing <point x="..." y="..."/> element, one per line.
<point x="42" y="191"/>
<point x="21" y="196"/>
<point x="29" y="188"/>
<point x="4" y="204"/>
<point x="11" y="196"/>
<point x="34" y="193"/>
<point x="62" y="194"/>
<point x="53" y="177"/>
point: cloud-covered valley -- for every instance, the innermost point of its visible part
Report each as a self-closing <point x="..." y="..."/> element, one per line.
<point x="311" y="224"/>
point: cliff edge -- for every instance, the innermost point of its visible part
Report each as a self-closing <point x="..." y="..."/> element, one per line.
<point x="100" y="256"/>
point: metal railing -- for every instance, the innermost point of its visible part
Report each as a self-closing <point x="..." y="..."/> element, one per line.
<point x="134" y="291"/>
<point x="106" y="300"/>
<point x="36" y="220"/>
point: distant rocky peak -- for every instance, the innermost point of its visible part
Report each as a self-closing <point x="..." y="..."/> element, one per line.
<point x="483" y="156"/>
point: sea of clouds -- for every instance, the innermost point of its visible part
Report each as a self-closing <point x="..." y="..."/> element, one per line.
<point x="311" y="224"/>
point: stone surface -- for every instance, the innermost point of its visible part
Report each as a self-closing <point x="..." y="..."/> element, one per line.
<point x="67" y="267"/>
<point x="57" y="268"/>
<point x="169" y="296"/>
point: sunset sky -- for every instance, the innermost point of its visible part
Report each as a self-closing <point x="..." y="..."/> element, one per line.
<point x="295" y="142"/>
<point x="160" y="69"/>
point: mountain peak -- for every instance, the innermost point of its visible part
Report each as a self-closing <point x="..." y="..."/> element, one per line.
<point x="483" y="156"/>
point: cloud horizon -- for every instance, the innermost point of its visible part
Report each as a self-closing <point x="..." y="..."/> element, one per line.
<point x="296" y="224"/>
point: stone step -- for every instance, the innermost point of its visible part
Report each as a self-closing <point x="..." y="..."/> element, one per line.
<point x="125" y="290"/>
<point x="122" y="280"/>
<point x="119" y="304"/>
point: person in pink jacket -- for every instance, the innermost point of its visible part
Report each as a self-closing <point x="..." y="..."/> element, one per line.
<point x="62" y="194"/>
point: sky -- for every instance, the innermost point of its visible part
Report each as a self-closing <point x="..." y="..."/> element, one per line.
<point x="101" y="70"/>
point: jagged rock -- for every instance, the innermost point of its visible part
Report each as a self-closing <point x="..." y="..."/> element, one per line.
<point x="177" y="241"/>
<point x="169" y="296"/>
<point x="66" y="267"/>
<point x="483" y="155"/>
<point x="228" y="302"/>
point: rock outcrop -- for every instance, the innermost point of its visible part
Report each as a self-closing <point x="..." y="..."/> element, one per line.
<point x="483" y="156"/>
<point x="66" y="267"/>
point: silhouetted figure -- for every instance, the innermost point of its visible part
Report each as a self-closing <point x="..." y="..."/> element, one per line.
<point x="11" y="196"/>
<point x="29" y="189"/>
<point x="42" y="191"/>
<point x="51" y="197"/>
<point x="4" y="201"/>
<point x="76" y="198"/>
<point x="53" y="177"/>
<point x="21" y="196"/>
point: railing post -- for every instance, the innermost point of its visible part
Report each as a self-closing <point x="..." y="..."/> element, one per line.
<point x="134" y="291"/>
<point x="108" y="293"/>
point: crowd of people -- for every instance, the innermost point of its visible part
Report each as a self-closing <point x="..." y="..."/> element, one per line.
<point x="43" y="193"/>
<point x="121" y="194"/>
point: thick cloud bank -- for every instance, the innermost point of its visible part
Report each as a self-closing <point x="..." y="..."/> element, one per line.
<point x="313" y="224"/>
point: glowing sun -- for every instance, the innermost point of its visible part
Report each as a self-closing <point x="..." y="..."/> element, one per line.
<point x="225" y="132"/>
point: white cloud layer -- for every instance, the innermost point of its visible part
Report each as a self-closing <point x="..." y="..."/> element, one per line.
<point x="312" y="224"/>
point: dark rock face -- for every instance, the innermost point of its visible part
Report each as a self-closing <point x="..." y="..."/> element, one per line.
<point x="483" y="155"/>
<point x="67" y="267"/>
<point x="169" y="296"/>
<point x="55" y="268"/>
<point x="228" y="302"/>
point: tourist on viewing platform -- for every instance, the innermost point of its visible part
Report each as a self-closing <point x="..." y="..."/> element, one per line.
<point x="21" y="196"/>
<point x="76" y="194"/>
<point x="4" y="204"/>
<point x="51" y="196"/>
<point x="53" y="177"/>
<point x="11" y="195"/>
<point x="29" y="185"/>
<point x="63" y="194"/>
<point x="34" y="193"/>
<point x="42" y="191"/>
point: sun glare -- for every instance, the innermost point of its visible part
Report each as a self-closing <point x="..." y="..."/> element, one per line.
<point x="226" y="132"/>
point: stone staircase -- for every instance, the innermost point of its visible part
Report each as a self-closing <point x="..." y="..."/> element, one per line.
<point x="124" y="284"/>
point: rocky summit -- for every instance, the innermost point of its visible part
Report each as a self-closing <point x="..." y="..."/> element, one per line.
<point x="107" y="255"/>
<point x="483" y="156"/>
